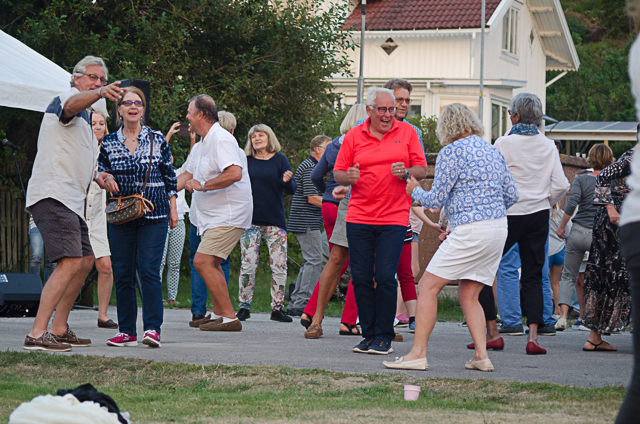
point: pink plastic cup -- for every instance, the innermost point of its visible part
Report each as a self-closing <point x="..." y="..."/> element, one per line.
<point x="411" y="393"/>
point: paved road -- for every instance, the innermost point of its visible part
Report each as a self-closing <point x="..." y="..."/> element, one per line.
<point x="265" y="342"/>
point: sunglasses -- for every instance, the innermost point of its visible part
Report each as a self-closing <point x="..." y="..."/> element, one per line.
<point x="129" y="103"/>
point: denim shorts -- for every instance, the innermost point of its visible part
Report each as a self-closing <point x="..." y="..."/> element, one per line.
<point x="558" y="258"/>
<point x="416" y="237"/>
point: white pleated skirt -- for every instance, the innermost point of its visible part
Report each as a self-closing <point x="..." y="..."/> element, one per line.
<point x="471" y="252"/>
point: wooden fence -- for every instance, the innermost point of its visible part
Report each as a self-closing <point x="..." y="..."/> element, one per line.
<point x="14" y="233"/>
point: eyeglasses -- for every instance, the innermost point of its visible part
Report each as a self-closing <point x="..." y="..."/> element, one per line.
<point x="383" y="110"/>
<point x="129" y="103"/>
<point x="401" y="100"/>
<point x="95" y="78"/>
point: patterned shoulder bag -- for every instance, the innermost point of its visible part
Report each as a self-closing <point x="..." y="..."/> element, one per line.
<point x="123" y="209"/>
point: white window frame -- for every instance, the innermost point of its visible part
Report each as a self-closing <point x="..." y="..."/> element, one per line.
<point x="511" y="33"/>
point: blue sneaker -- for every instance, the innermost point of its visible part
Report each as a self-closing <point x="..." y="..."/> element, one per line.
<point x="364" y="345"/>
<point x="380" y="347"/>
<point x="412" y="327"/>
<point x="578" y="326"/>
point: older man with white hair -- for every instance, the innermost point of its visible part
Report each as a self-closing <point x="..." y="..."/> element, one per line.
<point x="63" y="169"/>
<point x="537" y="171"/>
<point x="378" y="211"/>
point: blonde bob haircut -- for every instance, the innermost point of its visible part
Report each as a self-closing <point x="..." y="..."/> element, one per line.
<point x="456" y="121"/>
<point x="356" y="113"/>
<point x="227" y="120"/>
<point x="273" y="144"/>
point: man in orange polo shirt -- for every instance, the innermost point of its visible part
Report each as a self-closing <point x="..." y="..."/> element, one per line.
<point x="376" y="158"/>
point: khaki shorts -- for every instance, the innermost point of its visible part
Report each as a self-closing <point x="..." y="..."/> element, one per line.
<point x="219" y="241"/>
<point x="339" y="235"/>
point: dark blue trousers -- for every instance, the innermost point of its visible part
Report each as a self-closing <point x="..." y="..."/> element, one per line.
<point x="374" y="251"/>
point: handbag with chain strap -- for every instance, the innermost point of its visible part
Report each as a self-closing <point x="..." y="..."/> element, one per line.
<point x="123" y="209"/>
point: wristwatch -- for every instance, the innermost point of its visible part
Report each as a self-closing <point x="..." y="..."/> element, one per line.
<point x="406" y="175"/>
<point x="202" y="183"/>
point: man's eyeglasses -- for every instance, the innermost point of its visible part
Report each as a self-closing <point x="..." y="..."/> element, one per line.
<point x="401" y="100"/>
<point x="129" y="103"/>
<point x="95" y="78"/>
<point x="383" y="110"/>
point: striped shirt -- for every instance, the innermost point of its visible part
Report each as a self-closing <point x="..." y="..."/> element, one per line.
<point x="130" y="170"/>
<point x="303" y="214"/>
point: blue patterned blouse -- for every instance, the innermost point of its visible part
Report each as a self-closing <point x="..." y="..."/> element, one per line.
<point x="473" y="182"/>
<point x="129" y="171"/>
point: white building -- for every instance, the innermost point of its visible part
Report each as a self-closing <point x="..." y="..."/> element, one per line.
<point x="435" y="44"/>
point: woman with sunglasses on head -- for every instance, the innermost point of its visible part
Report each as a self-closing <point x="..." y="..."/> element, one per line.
<point x="138" y="244"/>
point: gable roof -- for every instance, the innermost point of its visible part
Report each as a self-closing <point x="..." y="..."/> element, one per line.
<point x="420" y="14"/>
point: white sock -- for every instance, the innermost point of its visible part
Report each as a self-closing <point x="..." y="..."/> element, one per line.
<point x="214" y="316"/>
<point x="226" y="320"/>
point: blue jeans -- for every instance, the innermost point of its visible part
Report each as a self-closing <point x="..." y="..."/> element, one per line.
<point x="374" y="250"/>
<point x="37" y="246"/>
<point x="508" y="290"/>
<point x="198" y="288"/>
<point x="138" y="248"/>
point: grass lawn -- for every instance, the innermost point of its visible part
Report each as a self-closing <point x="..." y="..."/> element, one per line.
<point x="156" y="392"/>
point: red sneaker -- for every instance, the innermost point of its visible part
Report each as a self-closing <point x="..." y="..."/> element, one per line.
<point x="122" y="340"/>
<point x="151" y="338"/>
<point x="535" y="349"/>
<point x="497" y="344"/>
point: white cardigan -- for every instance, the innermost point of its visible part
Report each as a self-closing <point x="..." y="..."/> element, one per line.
<point x="535" y="165"/>
<point x="631" y="206"/>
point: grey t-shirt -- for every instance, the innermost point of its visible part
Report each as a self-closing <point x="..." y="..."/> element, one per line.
<point x="582" y="192"/>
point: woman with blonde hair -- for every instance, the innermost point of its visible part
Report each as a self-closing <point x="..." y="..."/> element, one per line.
<point x="578" y="237"/>
<point x="271" y="175"/>
<point x="474" y="184"/>
<point x="333" y="220"/>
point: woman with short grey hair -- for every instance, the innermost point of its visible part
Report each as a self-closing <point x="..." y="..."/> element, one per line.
<point x="474" y="185"/>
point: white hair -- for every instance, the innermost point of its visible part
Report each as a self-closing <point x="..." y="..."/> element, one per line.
<point x="372" y="94"/>
<point x="81" y="67"/>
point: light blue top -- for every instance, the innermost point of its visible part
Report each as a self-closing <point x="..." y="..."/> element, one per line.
<point x="473" y="182"/>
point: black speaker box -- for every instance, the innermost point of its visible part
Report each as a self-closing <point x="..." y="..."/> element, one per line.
<point x="19" y="295"/>
<point x="145" y="86"/>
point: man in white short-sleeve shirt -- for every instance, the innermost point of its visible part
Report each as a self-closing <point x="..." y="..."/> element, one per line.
<point x="63" y="169"/>
<point x="221" y="206"/>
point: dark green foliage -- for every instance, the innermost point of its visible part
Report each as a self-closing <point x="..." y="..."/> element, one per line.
<point x="428" y="127"/>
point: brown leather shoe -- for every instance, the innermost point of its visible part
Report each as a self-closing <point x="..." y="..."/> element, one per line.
<point x="313" y="332"/>
<point x="218" y="325"/>
<point x="107" y="324"/>
<point x="196" y="323"/>
<point x="70" y="337"/>
<point x="398" y="338"/>
<point x="46" y="342"/>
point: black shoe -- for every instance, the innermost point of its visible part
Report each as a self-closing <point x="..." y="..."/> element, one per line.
<point x="364" y="345"/>
<point x="243" y="314"/>
<point x="279" y="315"/>
<point x="516" y="330"/>
<point x="196" y="317"/>
<point x="380" y="347"/>
<point x="546" y="330"/>
<point x="295" y="312"/>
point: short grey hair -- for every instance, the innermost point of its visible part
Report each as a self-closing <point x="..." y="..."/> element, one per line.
<point x="81" y="68"/>
<point x="374" y="91"/>
<point x="456" y="121"/>
<point x="528" y="106"/>
<point x="227" y="120"/>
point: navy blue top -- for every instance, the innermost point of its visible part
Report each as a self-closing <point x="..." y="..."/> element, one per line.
<point x="325" y="164"/>
<point x="267" y="187"/>
<point x="130" y="170"/>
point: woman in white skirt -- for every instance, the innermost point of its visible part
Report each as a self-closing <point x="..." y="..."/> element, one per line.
<point x="475" y="186"/>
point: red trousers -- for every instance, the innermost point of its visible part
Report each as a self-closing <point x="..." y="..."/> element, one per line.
<point x="350" y="311"/>
<point x="405" y="274"/>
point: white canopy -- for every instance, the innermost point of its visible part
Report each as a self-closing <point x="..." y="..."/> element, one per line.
<point x="28" y="80"/>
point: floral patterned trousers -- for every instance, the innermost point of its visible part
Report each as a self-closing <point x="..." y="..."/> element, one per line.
<point x="276" y="239"/>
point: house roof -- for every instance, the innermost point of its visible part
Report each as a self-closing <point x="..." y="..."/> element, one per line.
<point x="592" y="130"/>
<point x="429" y="16"/>
<point x="420" y="14"/>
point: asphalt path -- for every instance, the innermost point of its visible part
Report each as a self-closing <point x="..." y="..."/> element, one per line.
<point x="262" y="341"/>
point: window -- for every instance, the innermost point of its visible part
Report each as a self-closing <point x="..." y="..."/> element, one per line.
<point x="389" y="46"/>
<point x="498" y="121"/>
<point x="414" y="110"/>
<point x="510" y="32"/>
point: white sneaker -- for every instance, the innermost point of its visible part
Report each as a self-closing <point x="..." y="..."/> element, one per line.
<point x="561" y="324"/>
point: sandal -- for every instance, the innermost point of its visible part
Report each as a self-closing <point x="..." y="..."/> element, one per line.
<point x="350" y="332"/>
<point x="598" y="348"/>
<point x="306" y="322"/>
